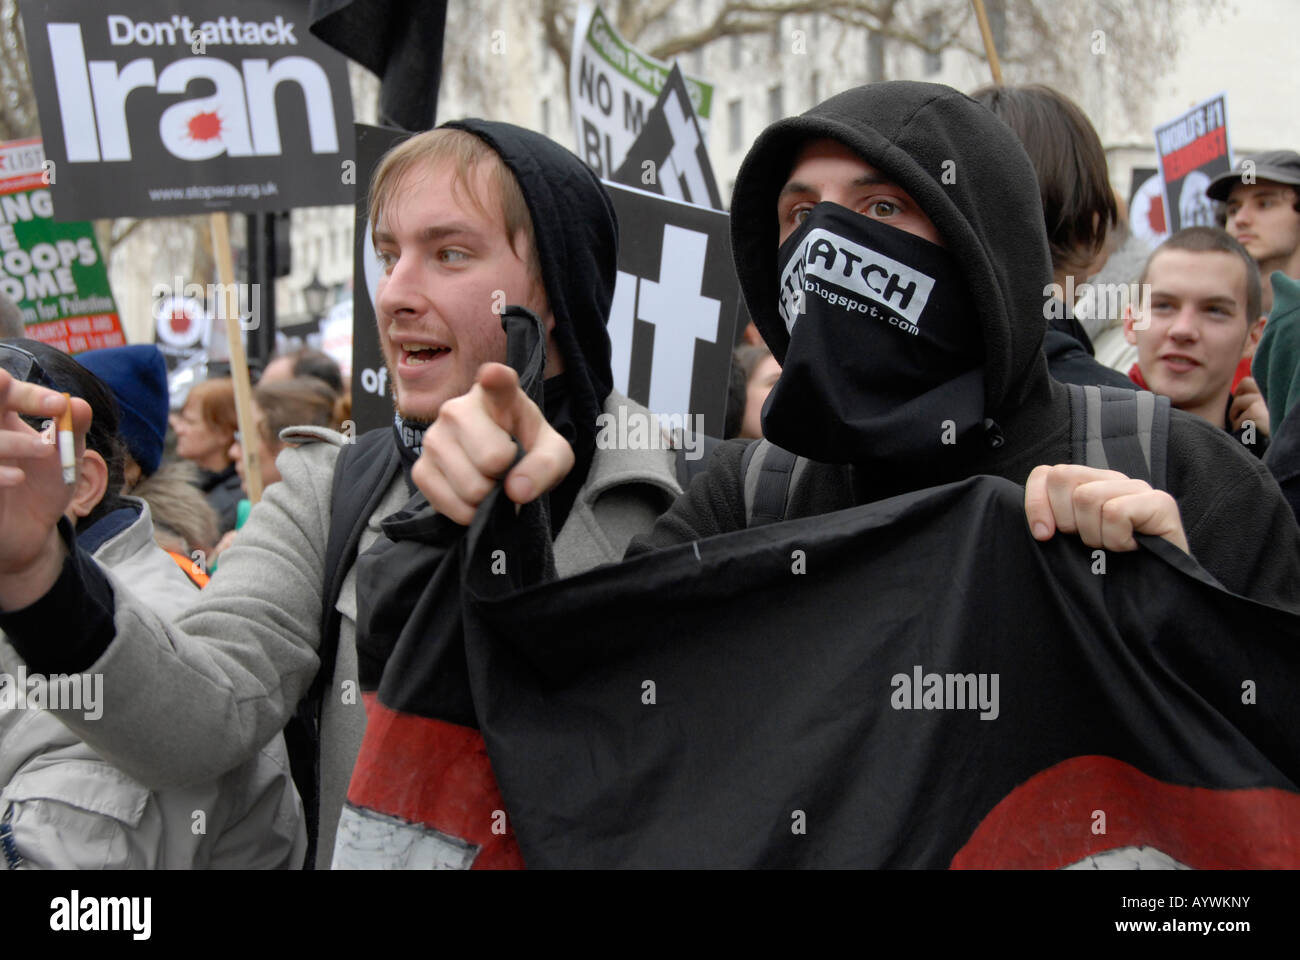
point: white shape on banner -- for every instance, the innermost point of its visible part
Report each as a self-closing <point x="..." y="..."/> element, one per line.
<point x="315" y="85"/>
<point x="181" y="321"/>
<point x="682" y="160"/>
<point x="195" y="129"/>
<point x="1195" y="209"/>
<point x="73" y="86"/>
<point x="239" y="120"/>
<point x="680" y="314"/>
<point x="622" y="315"/>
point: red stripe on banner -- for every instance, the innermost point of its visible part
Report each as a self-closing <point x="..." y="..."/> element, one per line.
<point x="434" y="773"/>
<point x="80" y="333"/>
<point x="1047" y="822"/>
<point x="1196" y="154"/>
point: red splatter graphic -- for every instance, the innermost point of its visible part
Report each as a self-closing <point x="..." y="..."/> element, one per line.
<point x="1156" y="214"/>
<point x="180" y="322"/>
<point x="204" y="126"/>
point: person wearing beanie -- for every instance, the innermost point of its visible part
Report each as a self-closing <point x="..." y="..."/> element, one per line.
<point x="137" y="375"/>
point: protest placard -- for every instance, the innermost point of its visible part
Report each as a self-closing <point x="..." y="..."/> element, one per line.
<point x="670" y="157"/>
<point x="673" y="320"/>
<point x="612" y="87"/>
<point x="1146" y="206"/>
<point x="372" y="400"/>
<point x="1192" y="150"/>
<point x="164" y="107"/>
<point x="54" y="271"/>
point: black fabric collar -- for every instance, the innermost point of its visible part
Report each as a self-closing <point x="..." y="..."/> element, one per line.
<point x="209" y="480"/>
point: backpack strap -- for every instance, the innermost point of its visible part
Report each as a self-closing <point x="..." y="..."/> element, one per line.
<point x="1116" y="429"/>
<point x="687" y="469"/>
<point x="362" y="474"/>
<point x="769" y="474"/>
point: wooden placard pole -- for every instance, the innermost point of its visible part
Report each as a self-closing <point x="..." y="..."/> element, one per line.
<point x="989" y="48"/>
<point x="238" y="362"/>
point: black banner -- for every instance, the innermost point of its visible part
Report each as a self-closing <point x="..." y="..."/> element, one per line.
<point x="164" y="107"/>
<point x="372" y="394"/>
<point x="910" y="683"/>
<point x="673" y="320"/>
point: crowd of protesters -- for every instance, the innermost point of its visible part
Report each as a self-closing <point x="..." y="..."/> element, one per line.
<point x="114" y="575"/>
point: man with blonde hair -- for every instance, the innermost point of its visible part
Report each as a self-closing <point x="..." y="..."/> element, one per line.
<point x="467" y="220"/>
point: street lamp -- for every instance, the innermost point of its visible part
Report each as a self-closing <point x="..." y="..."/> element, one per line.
<point x="314" y="295"/>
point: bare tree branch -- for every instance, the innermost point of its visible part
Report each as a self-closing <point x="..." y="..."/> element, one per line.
<point x="558" y="25"/>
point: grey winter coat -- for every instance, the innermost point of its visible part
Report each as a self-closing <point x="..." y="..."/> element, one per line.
<point x="236" y="663"/>
<point x="70" y="809"/>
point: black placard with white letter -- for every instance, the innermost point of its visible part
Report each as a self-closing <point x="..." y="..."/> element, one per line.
<point x="372" y="394"/>
<point x="166" y="107"/>
<point x="673" y="320"/>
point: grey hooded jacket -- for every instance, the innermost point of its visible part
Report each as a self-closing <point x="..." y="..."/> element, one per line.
<point x="68" y="808"/>
<point x="188" y="699"/>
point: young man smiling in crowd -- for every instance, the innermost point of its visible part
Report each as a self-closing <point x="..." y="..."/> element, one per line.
<point x="1201" y="319"/>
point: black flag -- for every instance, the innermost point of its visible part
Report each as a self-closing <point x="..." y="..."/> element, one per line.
<point x="910" y="683"/>
<point x="400" y="41"/>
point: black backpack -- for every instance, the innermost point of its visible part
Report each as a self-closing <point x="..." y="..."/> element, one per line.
<point x="1110" y="428"/>
<point x="362" y="474"/>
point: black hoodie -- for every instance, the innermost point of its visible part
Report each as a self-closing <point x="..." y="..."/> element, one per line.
<point x="577" y="243"/>
<point x="991" y="219"/>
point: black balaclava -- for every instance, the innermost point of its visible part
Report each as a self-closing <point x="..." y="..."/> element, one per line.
<point x="881" y="338"/>
<point x="969" y="174"/>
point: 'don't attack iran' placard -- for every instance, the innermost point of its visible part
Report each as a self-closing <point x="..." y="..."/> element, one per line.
<point x="166" y="107"/>
<point x="53" y="271"/>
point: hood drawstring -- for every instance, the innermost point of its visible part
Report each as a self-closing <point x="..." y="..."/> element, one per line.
<point x="993" y="433"/>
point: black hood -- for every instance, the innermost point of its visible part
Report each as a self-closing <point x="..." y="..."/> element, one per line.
<point x="577" y="242"/>
<point x="990" y="217"/>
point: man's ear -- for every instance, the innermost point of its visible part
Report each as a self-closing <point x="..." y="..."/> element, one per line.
<point x="1252" y="337"/>
<point x="554" y="359"/>
<point x="92" y="484"/>
<point x="1129" y="333"/>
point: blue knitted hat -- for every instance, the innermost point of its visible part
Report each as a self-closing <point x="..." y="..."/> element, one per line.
<point x="137" y="375"/>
